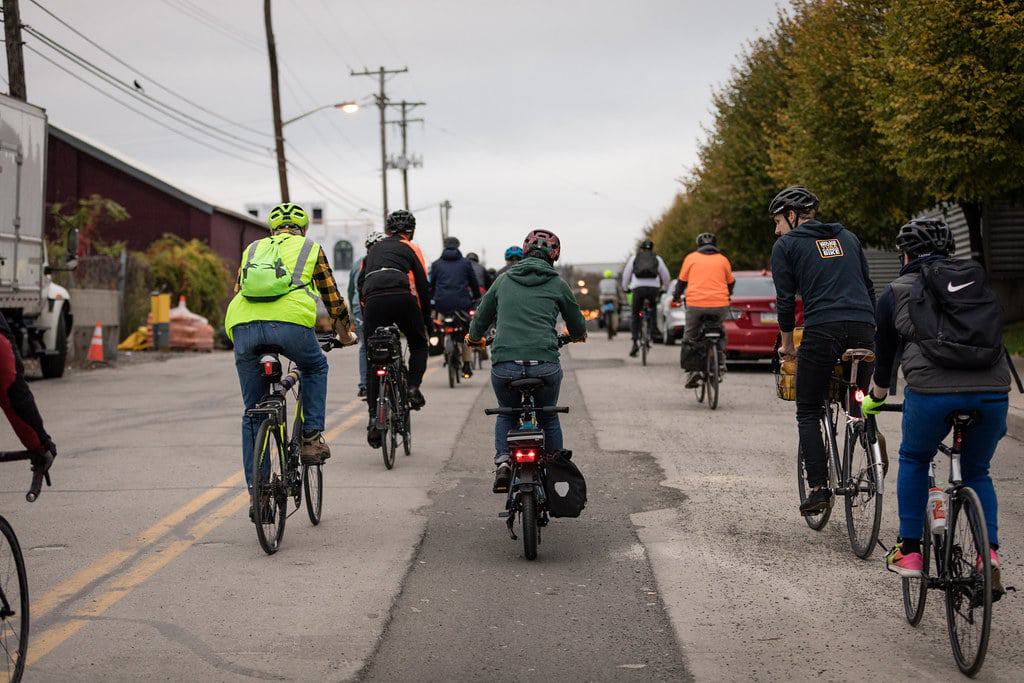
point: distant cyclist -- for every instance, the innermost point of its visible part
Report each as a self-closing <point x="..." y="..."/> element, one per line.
<point x="482" y="278"/>
<point x="525" y="305"/>
<point x="934" y="389"/>
<point x="393" y="289"/>
<point x="513" y="255"/>
<point x="279" y="281"/>
<point x="454" y="289"/>
<point x="357" y="311"/>
<point x="646" y="276"/>
<point x="609" y="291"/>
<point x="825" y="264"/>
<point x="706" y="279"/>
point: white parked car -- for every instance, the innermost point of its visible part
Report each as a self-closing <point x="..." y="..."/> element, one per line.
<point x="671" y="317"/>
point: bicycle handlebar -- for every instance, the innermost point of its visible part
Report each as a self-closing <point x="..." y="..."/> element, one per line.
<point x="519" y="411"/>
<point x="891" y="408"/>
<point x="328" y="342"/>
<point x="40" y="469"/>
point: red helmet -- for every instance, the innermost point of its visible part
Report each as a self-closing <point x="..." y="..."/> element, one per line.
<point x="544" y="240"/>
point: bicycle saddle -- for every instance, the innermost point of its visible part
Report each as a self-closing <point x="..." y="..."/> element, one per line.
<point x="525" y="383"/>
<point x="862" y="355"/>
<point x="963" y="418"/>
<point x="268" y="348"/>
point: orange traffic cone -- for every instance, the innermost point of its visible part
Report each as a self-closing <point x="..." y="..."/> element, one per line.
<point x="96" y="345"/>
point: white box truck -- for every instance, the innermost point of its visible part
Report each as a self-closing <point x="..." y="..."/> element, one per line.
<point x="38" y="310"/>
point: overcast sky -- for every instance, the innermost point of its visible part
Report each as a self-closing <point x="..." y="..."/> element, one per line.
<point x="575" y="115"/>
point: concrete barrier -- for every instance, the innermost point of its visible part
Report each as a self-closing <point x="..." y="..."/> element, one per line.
<point x="90" y="306"/>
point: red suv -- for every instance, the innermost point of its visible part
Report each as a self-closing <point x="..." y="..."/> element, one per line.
<point x="753" y="325"/>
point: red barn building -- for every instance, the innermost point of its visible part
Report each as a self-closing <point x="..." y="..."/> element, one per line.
<point x="77" y="169"/>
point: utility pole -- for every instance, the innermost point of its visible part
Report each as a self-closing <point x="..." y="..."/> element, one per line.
<point x="446" y="207"/>
<point x="15" y="59"/>
<point x="275" y="97"/>
<point x="382" y="103"/>
<point x="404" y="162"/>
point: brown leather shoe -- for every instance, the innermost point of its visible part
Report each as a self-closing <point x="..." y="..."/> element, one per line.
<point x="314" y="449"/>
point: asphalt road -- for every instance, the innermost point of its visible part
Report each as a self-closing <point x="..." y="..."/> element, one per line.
<point x="689" y="561"/>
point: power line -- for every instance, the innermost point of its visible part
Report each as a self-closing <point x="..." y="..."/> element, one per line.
<point x="144" y="114"/>
<point x="181" y="117"/>
<point x="316" y="27"/>
<point x="355" y="201"/>
<point x="149" y="79"/>
<point x="249" y="43"/>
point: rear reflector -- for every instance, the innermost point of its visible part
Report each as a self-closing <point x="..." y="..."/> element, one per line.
<point x="268" y="368"/>
<point x="526" y="456"/>
<point x="382" y="372"/>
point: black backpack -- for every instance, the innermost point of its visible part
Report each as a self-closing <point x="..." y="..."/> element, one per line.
<point x="564" y="486"/>
<point x="957" y="319"/>
<point x="645" y="264"/>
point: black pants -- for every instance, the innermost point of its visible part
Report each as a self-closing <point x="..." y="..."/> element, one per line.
<point x="641" y="295"/>
<point x="821" y="347"/>
<point x="403" y="311"/>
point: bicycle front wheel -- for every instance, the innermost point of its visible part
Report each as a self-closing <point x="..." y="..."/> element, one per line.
<point x="711" y="370"/>
<point x="818" y="521"/>
<point x="313" y="487"/>
<point x="864" y="502"/>
<point x="269" y="490"/>
<point x="14" y="621"/>
<point x="968" y="570"/>
<point x="915" y="591"/>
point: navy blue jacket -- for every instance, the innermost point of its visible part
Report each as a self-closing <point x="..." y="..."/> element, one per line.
<point x="825" y="264"/>
<point x="453" y="284"/>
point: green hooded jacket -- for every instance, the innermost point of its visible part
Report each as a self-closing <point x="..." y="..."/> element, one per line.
<point x="524" y="303"/>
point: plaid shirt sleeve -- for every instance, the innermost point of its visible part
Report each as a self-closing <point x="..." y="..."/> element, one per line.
<point x="323" y="278"/>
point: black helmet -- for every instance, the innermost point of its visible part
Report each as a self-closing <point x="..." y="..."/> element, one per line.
<point x="473" y="257"/>
<point x="400" y="221"/>
<point x="706" y="238"/>
<point x="795" y="198"/>
<point x="451" y="243"/>
<point x="925" y="236"/>
<point x="647" y="244"/>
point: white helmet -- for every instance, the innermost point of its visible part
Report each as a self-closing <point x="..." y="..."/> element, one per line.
<point x="373" y="238"/>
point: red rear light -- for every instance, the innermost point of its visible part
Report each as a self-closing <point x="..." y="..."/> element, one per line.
<point x="449" y="330"/>
<point x="268" y="368"/>
<point x="858" y="396"/>
<point x="675" y="304"/>
<point x="381" y="372"/>
<point x="526" y="456"/>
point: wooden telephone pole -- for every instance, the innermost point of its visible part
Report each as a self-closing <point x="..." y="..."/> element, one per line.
<point x="382" y="104"/>
<point x="403" y="162"/>
<point x="275" y="98"/>
<point x="15" y="59"/>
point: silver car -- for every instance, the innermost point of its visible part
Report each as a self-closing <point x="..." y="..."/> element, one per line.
<point x="671" y="317"/>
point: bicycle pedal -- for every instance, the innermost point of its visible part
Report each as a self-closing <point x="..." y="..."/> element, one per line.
<point x="503" y="515"/>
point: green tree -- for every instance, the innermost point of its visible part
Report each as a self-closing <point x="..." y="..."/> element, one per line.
<point x="86" y="216"/>
<point x="947" y="98"/>
<point x="192" y="269"/>
<point x="827" y="138"/>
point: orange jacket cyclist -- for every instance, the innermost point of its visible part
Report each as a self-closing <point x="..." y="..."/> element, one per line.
<point x="706" y="278"/>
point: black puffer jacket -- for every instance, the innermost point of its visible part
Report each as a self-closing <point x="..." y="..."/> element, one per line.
<point x="453" y="282"/>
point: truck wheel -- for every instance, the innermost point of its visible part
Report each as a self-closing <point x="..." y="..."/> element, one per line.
<point x="53" y="365"/>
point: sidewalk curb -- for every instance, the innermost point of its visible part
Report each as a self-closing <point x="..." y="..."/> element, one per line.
<point x="1015" y="424"/>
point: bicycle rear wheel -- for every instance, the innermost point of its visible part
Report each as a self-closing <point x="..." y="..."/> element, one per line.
<point x="711" y="370"/>
<point x="529" y="517"/>
<point x="968" y="569"/>
<point x="864" y="506"/>
<point x="453" y="372"/>
<point x="915" y="591"/>
<point x="269" y="491"/>
<point x="14" y="616"/>
<point x="407" y="430"/>
<point x="389" y="436"/>
<point x="313" y="487"/>
<point x="818" y="521"/>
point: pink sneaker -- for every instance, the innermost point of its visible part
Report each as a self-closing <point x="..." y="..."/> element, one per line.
<point x="909" y="566"/>
<point x="997" y="576"/>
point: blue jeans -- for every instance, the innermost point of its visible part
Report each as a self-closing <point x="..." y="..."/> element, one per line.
<point x="546" y="395"/>
<point x="299" y="345"/>
<point x="924" y="428"/>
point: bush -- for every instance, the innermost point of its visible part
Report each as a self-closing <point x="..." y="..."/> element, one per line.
<point x="192" y="269"/>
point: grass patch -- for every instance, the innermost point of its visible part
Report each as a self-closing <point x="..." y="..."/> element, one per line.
<point x="1013" y="337"/>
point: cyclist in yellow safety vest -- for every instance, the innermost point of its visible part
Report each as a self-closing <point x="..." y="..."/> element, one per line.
<point x="274" y="309"/>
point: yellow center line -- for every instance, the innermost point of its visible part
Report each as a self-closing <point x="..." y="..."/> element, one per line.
<point x="146" y="567"/>
<point x="70" y="587"/>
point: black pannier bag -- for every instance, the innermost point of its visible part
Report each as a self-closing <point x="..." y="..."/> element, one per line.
<point x="956" y="316"/>
<point x="645" y="264"/>
<point x="382" y="348"/>
<point x="564" y="486"/>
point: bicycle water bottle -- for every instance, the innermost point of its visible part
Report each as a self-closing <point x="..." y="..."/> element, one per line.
<point x="937" y="510"/>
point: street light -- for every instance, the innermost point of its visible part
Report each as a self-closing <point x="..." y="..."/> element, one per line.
<point x="348" y="106"/>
